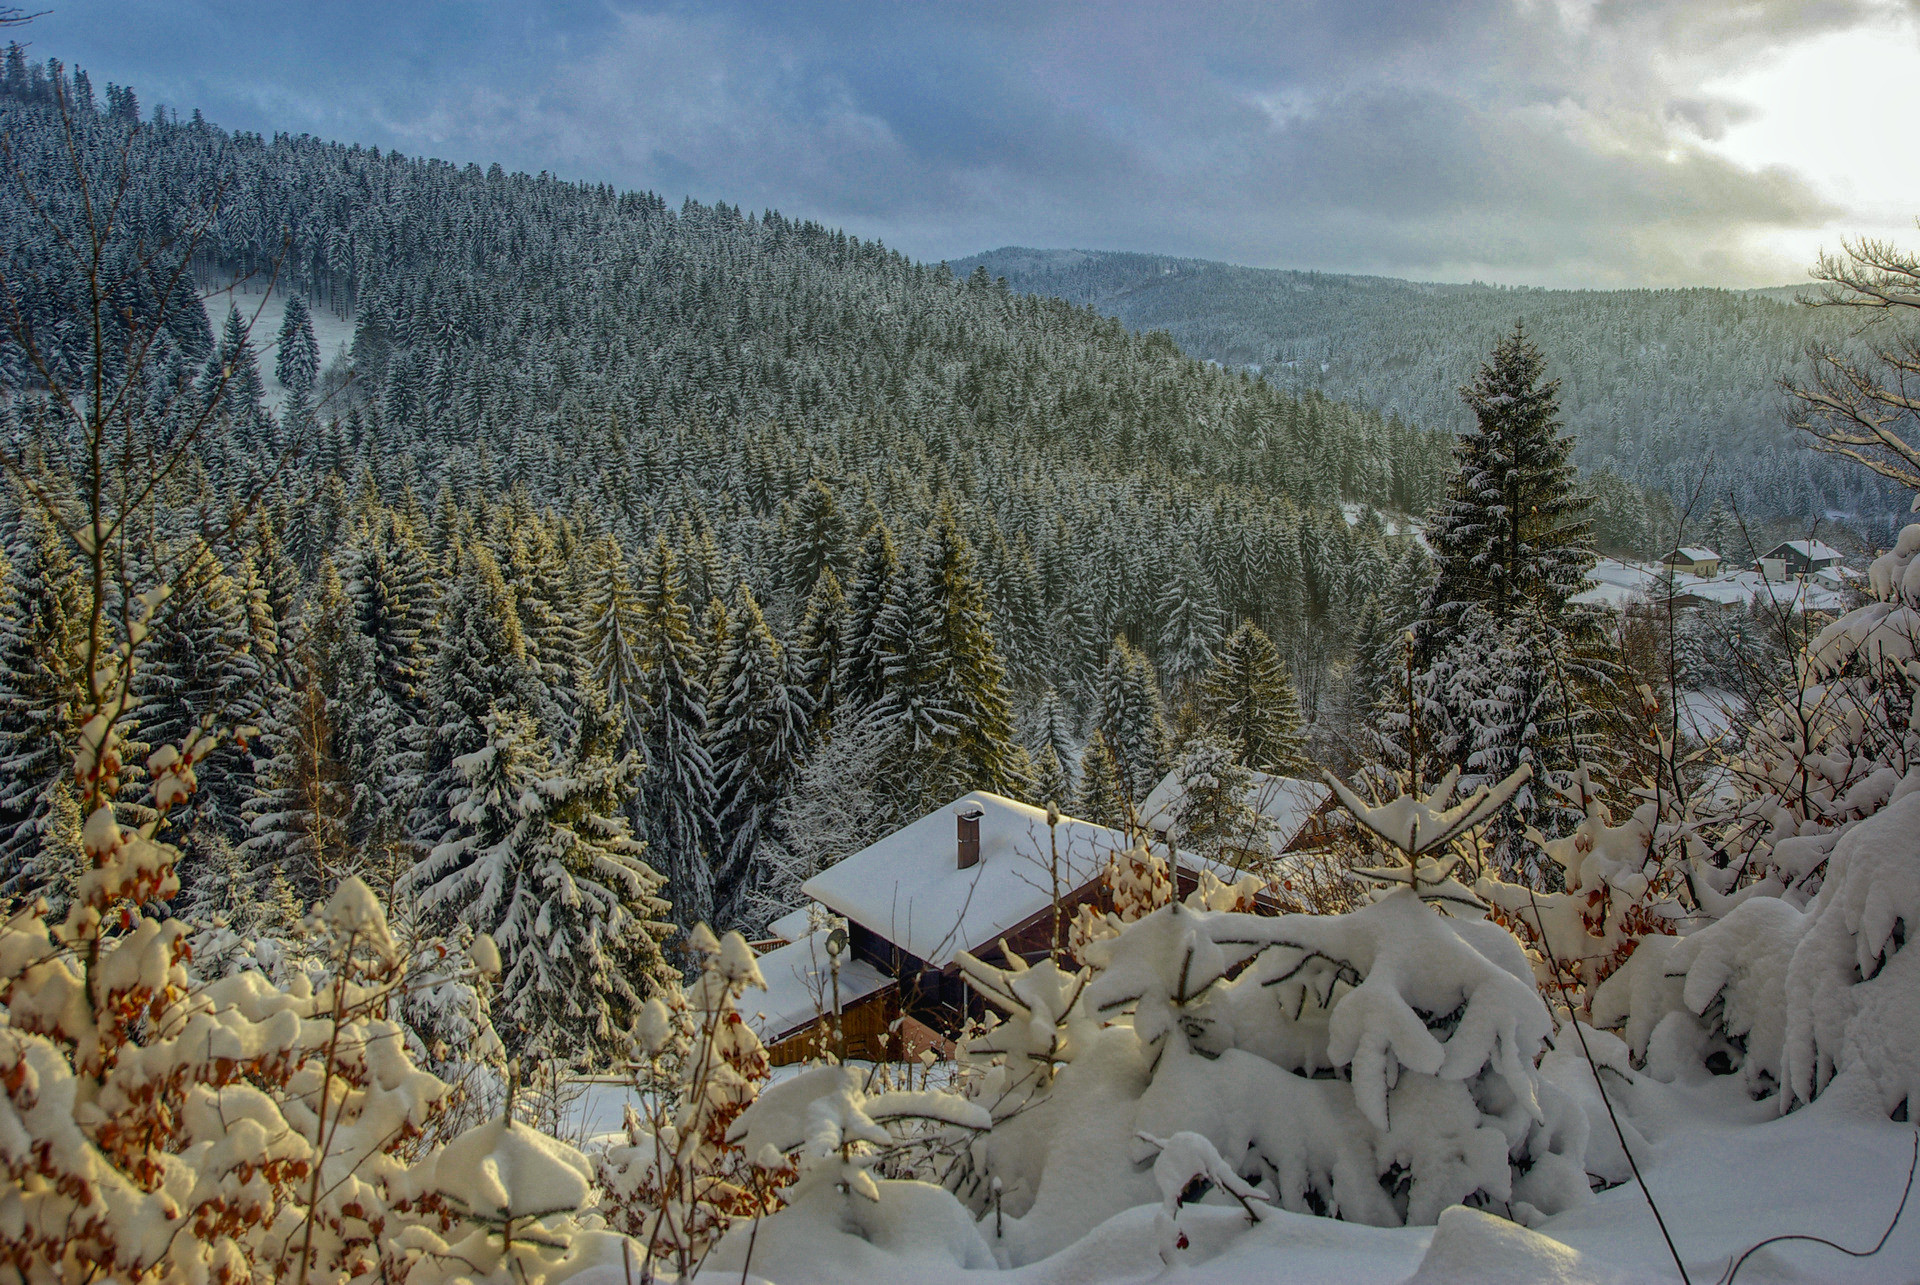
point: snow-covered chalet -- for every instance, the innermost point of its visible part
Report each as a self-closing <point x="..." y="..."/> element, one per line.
<point x="982" y="870"/>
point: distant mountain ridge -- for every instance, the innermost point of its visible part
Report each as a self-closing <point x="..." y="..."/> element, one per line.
<point x="1654" y="381"/>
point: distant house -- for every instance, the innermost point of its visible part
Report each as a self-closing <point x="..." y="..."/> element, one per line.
<point x="979" y="871"/>
<point x="1296" y="812"/>
<point x="1693" y="560"/>
<point x="1798" y="559"/>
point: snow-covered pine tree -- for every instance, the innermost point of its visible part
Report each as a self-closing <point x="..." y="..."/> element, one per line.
<point x="818" y="651"/>
<point x="1511" y="547"/>
<point x="677" y="793"/>
<point x="757" y="734"/>
<point x="863" y="666"/>
<point x="811" y="533"/>
<point x="42" y="645"/>
<point x="391" y="585"/>
<point x="945" y="687"/>
<point x="297" y="363"/>
<point x="327" y="799"/>
<point x="201" y="667"/>
<point x="480" y="667"/>
<point x="536" y="573"/>
<point x="1102" y="797"/>
<point x="1132" y="721"/>
<point x="615" y="634"/>
<point x="1188" y="609"/>
<point x="1247" y="700"/>
<point x="234" y="375"/>
<point x="1213" y="813"/>
<point x="1053" y="733"/>
<point x="560" y="885"/>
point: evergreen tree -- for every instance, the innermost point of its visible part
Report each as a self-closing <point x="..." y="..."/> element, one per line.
<point x="811" y="530"/>
<point x="201" y="672"/>
<point x="1213" y="814"/>
<point x="1505" y="671"/>
<point x="615" y="635"/>
<point x="1104" y="796"/>
<point x="560" y="885"/>
<point x="1511" y="532"/>
<point x="863" y="664"/>
<point x="1132" y="721"/>
<point x="1190" y="619"/>
<point x="297" y="363"/>
<point x="479" y="668"/>
<point x="678" y="797"/>
<point x="758" y="734"/>
<point x="820" y="650"/>
<point x="42" y="685"/>
<point x="945" y="686"/>
<point x="235" y="376"/>
<point x="1248" y="701"/>
<point x="1053" y="734"/>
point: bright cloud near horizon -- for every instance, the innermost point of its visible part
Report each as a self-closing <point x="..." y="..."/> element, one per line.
<point x="1548" y="142"/>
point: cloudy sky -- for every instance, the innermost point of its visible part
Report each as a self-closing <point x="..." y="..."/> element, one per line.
<point x="1556" y="142"/>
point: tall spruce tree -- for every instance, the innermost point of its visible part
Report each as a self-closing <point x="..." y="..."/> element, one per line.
<point x="863" y="665"/>
<point x="1247" y="699"/>
<point x="946" y="689"/>
<point x="1512" y="532"/>
<point x="677" y="793"/>
<point x="535" y="859"/>
<point x="615" y="635"/>
<point x="819" y="651"/>
<point x="1504" y="669"/>
<point x="758" y="735"/>
<point x="1132" y="721"/>
<point x="42" y="656"/>
<point x="296" y="363"/>
<point x="479" y="668"/>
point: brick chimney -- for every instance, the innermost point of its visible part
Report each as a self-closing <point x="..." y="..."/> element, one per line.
<point x="969" y="819"/>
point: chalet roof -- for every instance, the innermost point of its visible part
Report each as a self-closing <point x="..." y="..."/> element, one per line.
<point x="1693" y="553"/>
<point x="800" y="987"/>
<point x="791" y="926"/>
<point x="1286" y="801"/>
<point x="909" y="889"/>
<point x="1811" y="550"/>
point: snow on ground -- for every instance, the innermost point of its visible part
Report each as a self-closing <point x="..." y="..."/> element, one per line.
<point x="1726" y="1172"/>
<point x="1709" y="714"/>
<point x="332" y="332"/>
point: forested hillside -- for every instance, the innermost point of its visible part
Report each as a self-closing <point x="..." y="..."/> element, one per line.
<point x="734" y="482"/>
<point x="1654" y="383"/>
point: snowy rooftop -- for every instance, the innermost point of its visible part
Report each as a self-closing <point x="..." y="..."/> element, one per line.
<point x="1812" y="550"/>
<point x="1693" y="553"/>
<point x="800" y="986"/>
<point x="909" y="889"/>
<point x="1286" y="801"/>
<point x="793" y="925"/>
<point x="1613" y="583"/>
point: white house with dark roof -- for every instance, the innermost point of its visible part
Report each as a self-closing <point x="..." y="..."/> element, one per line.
<point x="1798" y="559"/>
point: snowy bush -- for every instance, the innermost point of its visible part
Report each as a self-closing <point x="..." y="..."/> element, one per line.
<point x="1799" y="980"/>
<point x="1376" y="1066"/>
<point x="679" y="1179"/>
<point x="827" y="1127"/>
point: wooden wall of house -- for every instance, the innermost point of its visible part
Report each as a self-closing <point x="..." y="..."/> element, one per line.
<point x="863" y="1030"/>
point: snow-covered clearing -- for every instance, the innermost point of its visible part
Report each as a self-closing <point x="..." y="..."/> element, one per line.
<point x="264" y="311"/>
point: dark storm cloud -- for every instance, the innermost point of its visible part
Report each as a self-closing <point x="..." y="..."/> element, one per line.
<point x="1555" y="141"/>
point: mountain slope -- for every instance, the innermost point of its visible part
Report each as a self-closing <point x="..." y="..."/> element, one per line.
<point x="1654" y="382"/>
